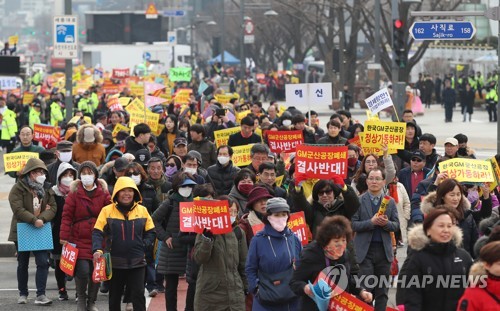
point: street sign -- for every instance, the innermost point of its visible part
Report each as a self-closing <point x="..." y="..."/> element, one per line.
<point x="171" y="38"/>
<point x="249" y="29"/>
<point x="65" y="40"/>
<point x="151" y="11"/>
<point x="442" y="30"/>
<point x="173" y="13"/>
<point x="146" y="56"/>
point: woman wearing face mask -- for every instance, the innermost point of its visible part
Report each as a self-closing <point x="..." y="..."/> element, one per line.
<point x="243" y="183"/>
<point x="329" y="249"/>
<point x="173" y="165"/>
<point x="372" y="161"/>
<point x="272" y="257"/>
<point x="31" y="203"/>
<point x="450" y="194"/>
<point x="66" y="174"/>
<point x="173" y="252"/>
<point x="86" y="199"/>
<point x="436" y="252"/>
<point x="222" y="256"/>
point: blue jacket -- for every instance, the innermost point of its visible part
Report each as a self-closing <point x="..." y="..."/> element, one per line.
<point x="271" y="252"/>
<point x="404" y="177"/>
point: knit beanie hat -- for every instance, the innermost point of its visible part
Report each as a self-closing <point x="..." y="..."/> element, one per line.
<point x="276" y="205"/>
<point x="92" y="167"/>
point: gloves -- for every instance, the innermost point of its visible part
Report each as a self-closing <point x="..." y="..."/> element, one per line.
<point x="208" y="234"/>
<point x="339" y="181"/>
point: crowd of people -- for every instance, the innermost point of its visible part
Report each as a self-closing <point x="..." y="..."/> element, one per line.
<point x="120" y="192"/>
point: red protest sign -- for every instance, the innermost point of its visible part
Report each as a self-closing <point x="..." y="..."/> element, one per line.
<point x="114" y="104"/>
<point x="68" y="259"/>
<point x="204" y="214"/>
<point x="46" y="133"/>
<point x="321" y="162"/>
<point x="355" y="141"/>
<point x="256" y="228"/>
<point x="346" y="301"/>
<point x="121" y="73"/>
<point x="284" y="141"/>
<point x="297" y="223"/>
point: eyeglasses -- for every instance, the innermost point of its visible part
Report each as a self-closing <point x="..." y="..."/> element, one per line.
<point x="416" y="159"/>
<point x="171" y="164"/>
<point x="374" y="179"/>
<point x="323" y="192"/>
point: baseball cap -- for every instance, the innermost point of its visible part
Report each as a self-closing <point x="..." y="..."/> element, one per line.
<point x="451" y="140"/>
<point x="142" y="157"/>
<point x="418" y="154"/>
<point x="180" y="141"/>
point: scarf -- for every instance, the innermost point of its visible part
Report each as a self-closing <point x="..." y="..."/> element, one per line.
<point x="393" y="191"/>
<point x="254" y="219"/>
<point x="158" y="182"/>
<point x="34" y="187"/>
<point x="63" y="189"/>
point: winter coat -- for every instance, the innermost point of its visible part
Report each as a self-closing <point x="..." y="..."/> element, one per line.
<point x="431" y="260"/>
<point x="131" y="234"/>
<point x="328" y="140"/>
<point x="53" y="168"/>
<point x="132" y="146"/>
<point x="237" y="139"/>
<point x="468" y="225"/>
<point x="60" y="201"/>
<point x="149" y="198"/>
<point x="94" y="152"/>
<point x="221" y="283"/>
<point x="158" y="154"/>
<point x="308" y="134"/>
<point x="21" y="202"/>
<point x="480" y="297"/>
<point x="271" y="252"/>
<point x="80" y="215"/>
<point x="312" y="262"/>
<point x="166" y="220"/>
<point x="240" y="199"/>
<point x="207" y="150"/>
<point x="404" y="209"/>
<point x="315" y="212"/>
<point x="163" y="142"/>
<point x="404" y="177"/>
<point x="247" y="221"/>
<point x="223" y="177"/>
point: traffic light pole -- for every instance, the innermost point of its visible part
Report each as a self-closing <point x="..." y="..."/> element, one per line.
<point x="395" y="16"/>
<point x="68" y="70"/>
<point x="491" y="13"/>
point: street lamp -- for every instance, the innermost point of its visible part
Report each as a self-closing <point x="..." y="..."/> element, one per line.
<point x="271" y="13"/>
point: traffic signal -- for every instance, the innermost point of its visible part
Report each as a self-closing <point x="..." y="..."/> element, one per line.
<point x="398" y="43"/>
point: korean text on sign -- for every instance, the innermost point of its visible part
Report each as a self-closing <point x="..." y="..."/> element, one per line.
<point x="8" y="83"/>
<point x="378" y="132"/>
<point x="379" y="101"/>
<point x="284" y="141"/>
<point x="203" y="214"/>
<point x="222" y="136"/>
<point x="180" y="74"/>
<point x="468" y="170"/>
<point x="241" y="155"/>
<point x="68" y="259"/>
<point x="297" y="223"/>
<point x="321" y="162"/>
<point x="14" y="162"/>
<point x="46" y="133"/>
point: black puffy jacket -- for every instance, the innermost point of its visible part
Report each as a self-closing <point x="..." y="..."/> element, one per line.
<point x="223" y="177"/>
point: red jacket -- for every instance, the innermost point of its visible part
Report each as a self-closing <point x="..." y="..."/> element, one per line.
<point x="80" y="214"/>
<point x="478" y="298"/>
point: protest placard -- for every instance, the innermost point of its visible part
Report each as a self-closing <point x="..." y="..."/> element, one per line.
<point x="15" y="161"/>
<point x="152" y="120"/>
<point x="346" y="301"/>
<point x="284" y="141"/>
<point x="355" y="141"/>
<point x="31" y="238"/>
<point x="222" y="136"/>
<point x="121" y="73"/>
<point x="321" y="162"/>
<point x="69" y="255"/>
<point x="13" y="40"/>
<point x="279" y="180"/>
<point x="8" y="83"/>
<point x="496" y="173"/>
<point x="223" y="98"/>
<point x="241" y="155"/>
<point x="180" y="74"/>
<point x="468" y="170"/>
<point x="46" y="133"/>
<point x="181" y="96"/>
<point x="377" y="133"/>
<point x="136" y="105"/>
<point x="137" y="90"/>
<point x="119" y="127"/>
<point x="28" y="98"/>
<point x="205" y="214"/>
<point x="379" y="101"/>
<point x="297" y="223"/>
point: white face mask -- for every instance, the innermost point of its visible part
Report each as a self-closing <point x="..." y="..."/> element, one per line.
<point x="233" y="219"/>
<point x="65" y="156"/>
<point x="223" y="160"/>
<point x="278" y="223"/>
<point x="105" y="145"/>
<point x="185" y="191"/>
<point x="287" y="122"/>
<point x="87" y="180"/>
<point x="66" y="180"/>
<point x="190" y="170"/>
<point x="40" y="179"/>
<point x="136" y="179"/>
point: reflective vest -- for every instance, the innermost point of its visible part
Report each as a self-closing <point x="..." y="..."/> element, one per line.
<point x="34" y="118"/>
<point x="9" y="125"/>
<point x="56" y="114"/>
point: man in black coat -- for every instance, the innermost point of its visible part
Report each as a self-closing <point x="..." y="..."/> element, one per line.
<point x="223" y="172"/>
<point x="139" y="141"/>
<point x="299" y="123"/>
<point x="64" y="152"/>
<point x="246" y="136"/>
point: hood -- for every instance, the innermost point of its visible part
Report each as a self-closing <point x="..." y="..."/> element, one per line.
<point x="64" y="167"/>
<point x="112" y="152"/>
<point x="126" y="182"/>
<point x="73" y="187"/>
<point x="97" y="134"/>
<point x="477" y="269"/>
<point x="429" y="203"/>
<point x="417" y="239"/>
<point x="32" y="165"/>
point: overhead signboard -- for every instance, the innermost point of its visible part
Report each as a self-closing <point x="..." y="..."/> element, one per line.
<point x="442" y="30"/>
<point x="151" y="11"/>
<point x="173" y="13"/>
<point x="65" y="36"/>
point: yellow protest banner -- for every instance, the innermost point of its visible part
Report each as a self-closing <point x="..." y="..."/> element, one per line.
<point x="119" y="127"/>
<point x="279" y="180"/>
<point x="378" y="132"/>
<point x="28" y="98"/>
<point x="223" y="98"/>
<point x="468" y="170"/>
<point x="137" y="117"/>
<point x="371" y="116"/>
<point x="496" y="171"/>
<point x="13" y="40"/>
<point x="159" y="129"/>
<point x="241" y="155"/>
<point x="167" y="96"/>
<point x="136" y="105"/>
<point x="222" y="136"/>
<point x="124" y="101"/>
<point x="152" y="120"/>
<point x="137" y="90"/>
<point x="77" y="76"/>
<point x="375" y="150"/>
<point x="14" y="162"/>
<point x="77" y="120"/>
<point x="241" y="115"/>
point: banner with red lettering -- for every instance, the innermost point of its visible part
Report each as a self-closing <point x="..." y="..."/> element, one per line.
<point x="114" y="104"/>
<point x="205" y="214"/>
<point x="121" y="73"/>
<point x="68" y="259"/>
<point x="46" y="133"/>
<point x="284" y="141"/>
<point x="321" y="162"/>
<point x="346" y="301"/>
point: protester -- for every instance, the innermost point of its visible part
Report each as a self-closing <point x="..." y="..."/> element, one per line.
<point x="201" y="144"/>
<point x="223" y="172"/>
<point x="174" y="164"/>
<point x="246" y="136"/>
<point x="64" y="154"/>
<point x="88" y="146"/>
<point x="243" y="184"/>
<point x="168" y="135"/>
<point x="32" y="204"/>
<point x="158" y="179"/>
<point x="333" y="137"/>
<point x="127" y="247"/>
<point x="142" y="133"/>
<point x="372" y="161"/>
<point x="87" y="197"/>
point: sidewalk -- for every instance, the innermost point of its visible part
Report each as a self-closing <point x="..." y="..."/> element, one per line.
<point x="7" y="248"/>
